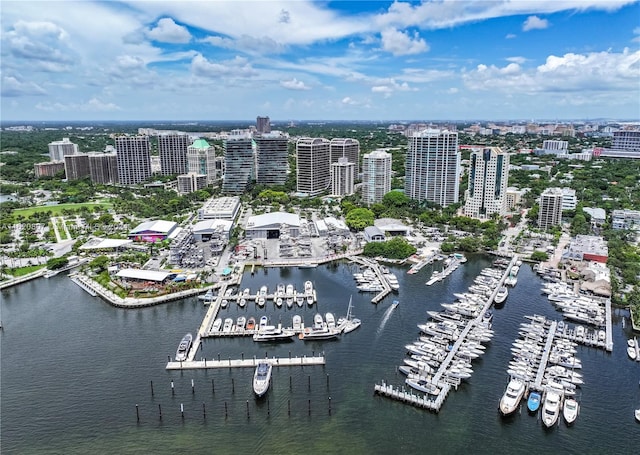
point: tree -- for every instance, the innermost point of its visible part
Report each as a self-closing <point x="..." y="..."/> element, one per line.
<point x="359" y="219"/>
<point x="395" y="199"/>
<point x="539" y="256"/>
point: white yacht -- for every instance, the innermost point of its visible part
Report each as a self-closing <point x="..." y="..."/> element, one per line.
<point x="570" y="410"/>
<point x="501" y="295"/>
<point x="512" y="396"/>
<point x="551" y="407"/>
<point x="262" y="378"/>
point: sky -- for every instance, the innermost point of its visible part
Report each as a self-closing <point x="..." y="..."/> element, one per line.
<point x="320" y="60"/>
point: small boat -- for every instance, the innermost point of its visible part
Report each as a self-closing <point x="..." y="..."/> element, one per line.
<point x="310" y="299"/>
<point x="262" y="378"/>
<point x="251" y="323"/>
<point x="297" y="323"/>
<point x="349" y="323"/>
<point x="289" y="302"/>
<point x="271" y="333"/>
<point x="299" y="300"/>
<point x="318" y="322"/>
<point x="331" y="320"/>
<point x="570" y="410"/>
<point x="260" y="301"/>
<point x="183" y="347"/>
<point x="228" y="325"/>
<point x="551" y="407"/>
<point x="217" y="324"/>
<point x="501" y="295"/>
<point x="224" y="303"/>
<point x="263" y="322"/>
<point x="422" y="385"/>
<point x="637" y="414"/>
<point x="631" y="352"/>
<point x="533" y="403"/>
<point x="308" y="287"/>
<point x="208" y="297"/>
<point x="241" y="322"/>
<point x="279" y="302"/>
<point x="280" y="289"/>
<point x="289" y="290"/>
<point x="242" y="302"/>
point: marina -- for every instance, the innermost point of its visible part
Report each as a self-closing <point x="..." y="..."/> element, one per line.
<point x="359" y="422"/>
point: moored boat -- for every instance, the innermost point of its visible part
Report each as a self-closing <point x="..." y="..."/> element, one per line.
<point x="533" y="402"/>
<point x="501" y="295"/>
<point x="262" y="378"/>
<point x="551" y="407"/>
<point x="251" y="323"/>
<point x="570" y="410"/>
<point x="183" y="347"/>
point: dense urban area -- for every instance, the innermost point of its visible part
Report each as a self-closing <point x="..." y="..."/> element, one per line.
<point x="205" y="200"/>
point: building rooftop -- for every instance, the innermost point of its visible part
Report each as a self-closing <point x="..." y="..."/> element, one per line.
<point x="162" y="226"/>
<point x="200" y="144"/>
<point x="140" y="274"/>
<point x="268" y="219"/>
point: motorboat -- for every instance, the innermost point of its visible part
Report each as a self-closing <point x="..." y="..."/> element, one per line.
<point x="217" y="324"/>
<point x="323" y="333"/>
<point x="308" y="287"/>
<point x="241" y="323"/>
<point x="260" y="301"/>
<point x="422" y="385"/>
<point x="289" y="290"/>
<point x="289" y="301"/>
<point x="310" y="299"/>
<point x="300" y="300"/>
<point x="227" y="326"/>
<point x="551" y="407"/>
<point x="264" y="320"/>
<point x="183" y="347"/>
<point x="533" y="402"/>
<point x="501" y="295"/>
<point x="331" y="320"/>
<point x="224" y="303"/>
<point x="631" y="352"/>
<point x="251" y="323"/>
<point x="242" y="302"/>
<point x="208" y="297"/>
<point x="270" y="333"/>
<point x="318" y="322"/>
<point x="637" y="414"/>
<point x="279" y="302"/>
<point x="512" y="396"/>
<point x="570" y="410"/>
<point x="297" y="323"/>
<point x="280" y="289"/>
<point x="262" y="378"/>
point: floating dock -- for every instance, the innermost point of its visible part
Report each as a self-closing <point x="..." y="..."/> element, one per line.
<point x="244" y="363"/>
<point x="409" y="397"/>
<point x="378" y="271"/>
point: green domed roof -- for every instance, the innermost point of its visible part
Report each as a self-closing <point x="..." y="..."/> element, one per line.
<point x="200" y="144"/>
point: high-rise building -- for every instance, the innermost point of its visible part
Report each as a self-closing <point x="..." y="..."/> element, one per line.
<point x="346" y="147"/>
<point x="569" y="199"/>
<point x="48" y="168"/>
<point x="238" y="162"/>
<point x="103" y="168"/>
<point x="550" y="213"/>
<point x="488" y="177"/>
<point x="263" y="125"/>
<point x="201" y="159"/>
<point x="628" y="140"/>
<point x="376" y="176"/>
<point x="172" y="149"/>
<point x="432" y="167"/>
<point x="272" y="158"/>
<point x="134" y="162"/>
<point x="190" y="182"/>
<point x="342" y="177"/>
<point x="76" y="166"/>
<point x="59" y="149"/>
<point x="313" y="172"/>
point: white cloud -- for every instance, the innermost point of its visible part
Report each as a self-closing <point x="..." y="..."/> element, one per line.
<point x="294" y="84"/>
<point x="534" y="23"/>
<point x="592" y="72"/>
<point x="43" y="43"/>
<point x="636" y="31"/>
<point x="452" y="90"/>
<point x="167" y="31"/>
<point x="238" y="67"/>
<point x="349" y="101"/>
<point x="92" y="105"/>
<point x="517" y="59"/>
<point x="12" y="86"/>
<point x="400" y="43"/>
<point x="249" y="44"/>
<point x="511" y="36"/>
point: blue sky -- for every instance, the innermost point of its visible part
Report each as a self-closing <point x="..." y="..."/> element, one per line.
<point x="293" y="60"/>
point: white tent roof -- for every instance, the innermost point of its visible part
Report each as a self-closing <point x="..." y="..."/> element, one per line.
<point x="140" y="274"/>
<point x="273" y="218"/>
<point x="155" y="226"/>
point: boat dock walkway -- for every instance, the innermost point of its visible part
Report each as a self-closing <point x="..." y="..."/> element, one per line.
<point x="415" y="268"/>
<point x="473" y="323"/>
<point x="608" y="344"/>
<point x="545" y="356"/>
<point x="418" y="400"/>
<point x="378" y="271"/>
<point x="245" y="363"/>
<point x="207" y="321"/>
<point x="83" y="286"/>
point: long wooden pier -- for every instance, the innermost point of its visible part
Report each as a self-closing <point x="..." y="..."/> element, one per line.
<point x="542" y="366"/>
<point x="376" y="268"/>
<point x="245" y="363"/>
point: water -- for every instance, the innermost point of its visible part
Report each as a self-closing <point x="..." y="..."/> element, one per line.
<point x="74" y="368"/>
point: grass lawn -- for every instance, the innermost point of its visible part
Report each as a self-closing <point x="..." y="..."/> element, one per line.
<point x="56" y="210"/>
<point x="21" y="271"/>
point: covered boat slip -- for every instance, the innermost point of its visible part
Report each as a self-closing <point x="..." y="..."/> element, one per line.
<point x="246" y="363"/>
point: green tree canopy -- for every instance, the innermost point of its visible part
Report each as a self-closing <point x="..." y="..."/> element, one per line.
<point x="359" y="219"/>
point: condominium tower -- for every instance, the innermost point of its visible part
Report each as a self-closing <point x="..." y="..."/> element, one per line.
<point x="347" y="148"/>
<point x="313" y="172"/>
<point x="59" y="149"/>
<point x="263" y="125"/>
<point x="342" y="177"/>
<point x="432" y="167"/>
<point x="376" y="176"/>
<point x="172" y="149"/>
<point x="238" y="162"/>
<point x="550" y="210"/>
<point x="134" y="161"/>
<point x="76" y="166"/>
<point x="488" y="177"/>
<point x="201" y="159"/>
<point x="272" y="161"/>
<point x="103" y="167"/>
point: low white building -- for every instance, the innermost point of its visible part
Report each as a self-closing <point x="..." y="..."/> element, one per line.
<point x="205" y="229"/>
<point x="272" y="225"/>
<point x="222" y="208"/>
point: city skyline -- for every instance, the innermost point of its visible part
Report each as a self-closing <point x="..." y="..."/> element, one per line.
<point x="382" y="60"/>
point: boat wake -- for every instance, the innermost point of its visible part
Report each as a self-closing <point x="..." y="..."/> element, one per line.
<point x="385" y="318"/>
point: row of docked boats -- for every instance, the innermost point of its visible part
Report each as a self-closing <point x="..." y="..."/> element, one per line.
<point x="283" y="295"/>
<point x="577" y="308"/>
<point x="512" y="277"/>
<point x="632" y="348"/>
<point x="431" y="354"/>
<point x="450" y="264"/>
<point x="559" y="380"/>
<point x="368" y="280"/>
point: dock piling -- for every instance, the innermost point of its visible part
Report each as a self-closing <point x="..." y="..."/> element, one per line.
<point x="204" y="410"/>
<point x="193" y="387"/>
<point x="247" y="409"/>
<point x="233" y="385"/>
<point x="173" y="390"/>
<point x="137" y="414"/>
<point x="160" y="411"/>
<point x="182" y="410"/>
<point x="151" y="388"/>
<point x="225" y="410"/>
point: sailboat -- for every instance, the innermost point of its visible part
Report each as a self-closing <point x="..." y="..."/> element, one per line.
<point x="349" y="323"/>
